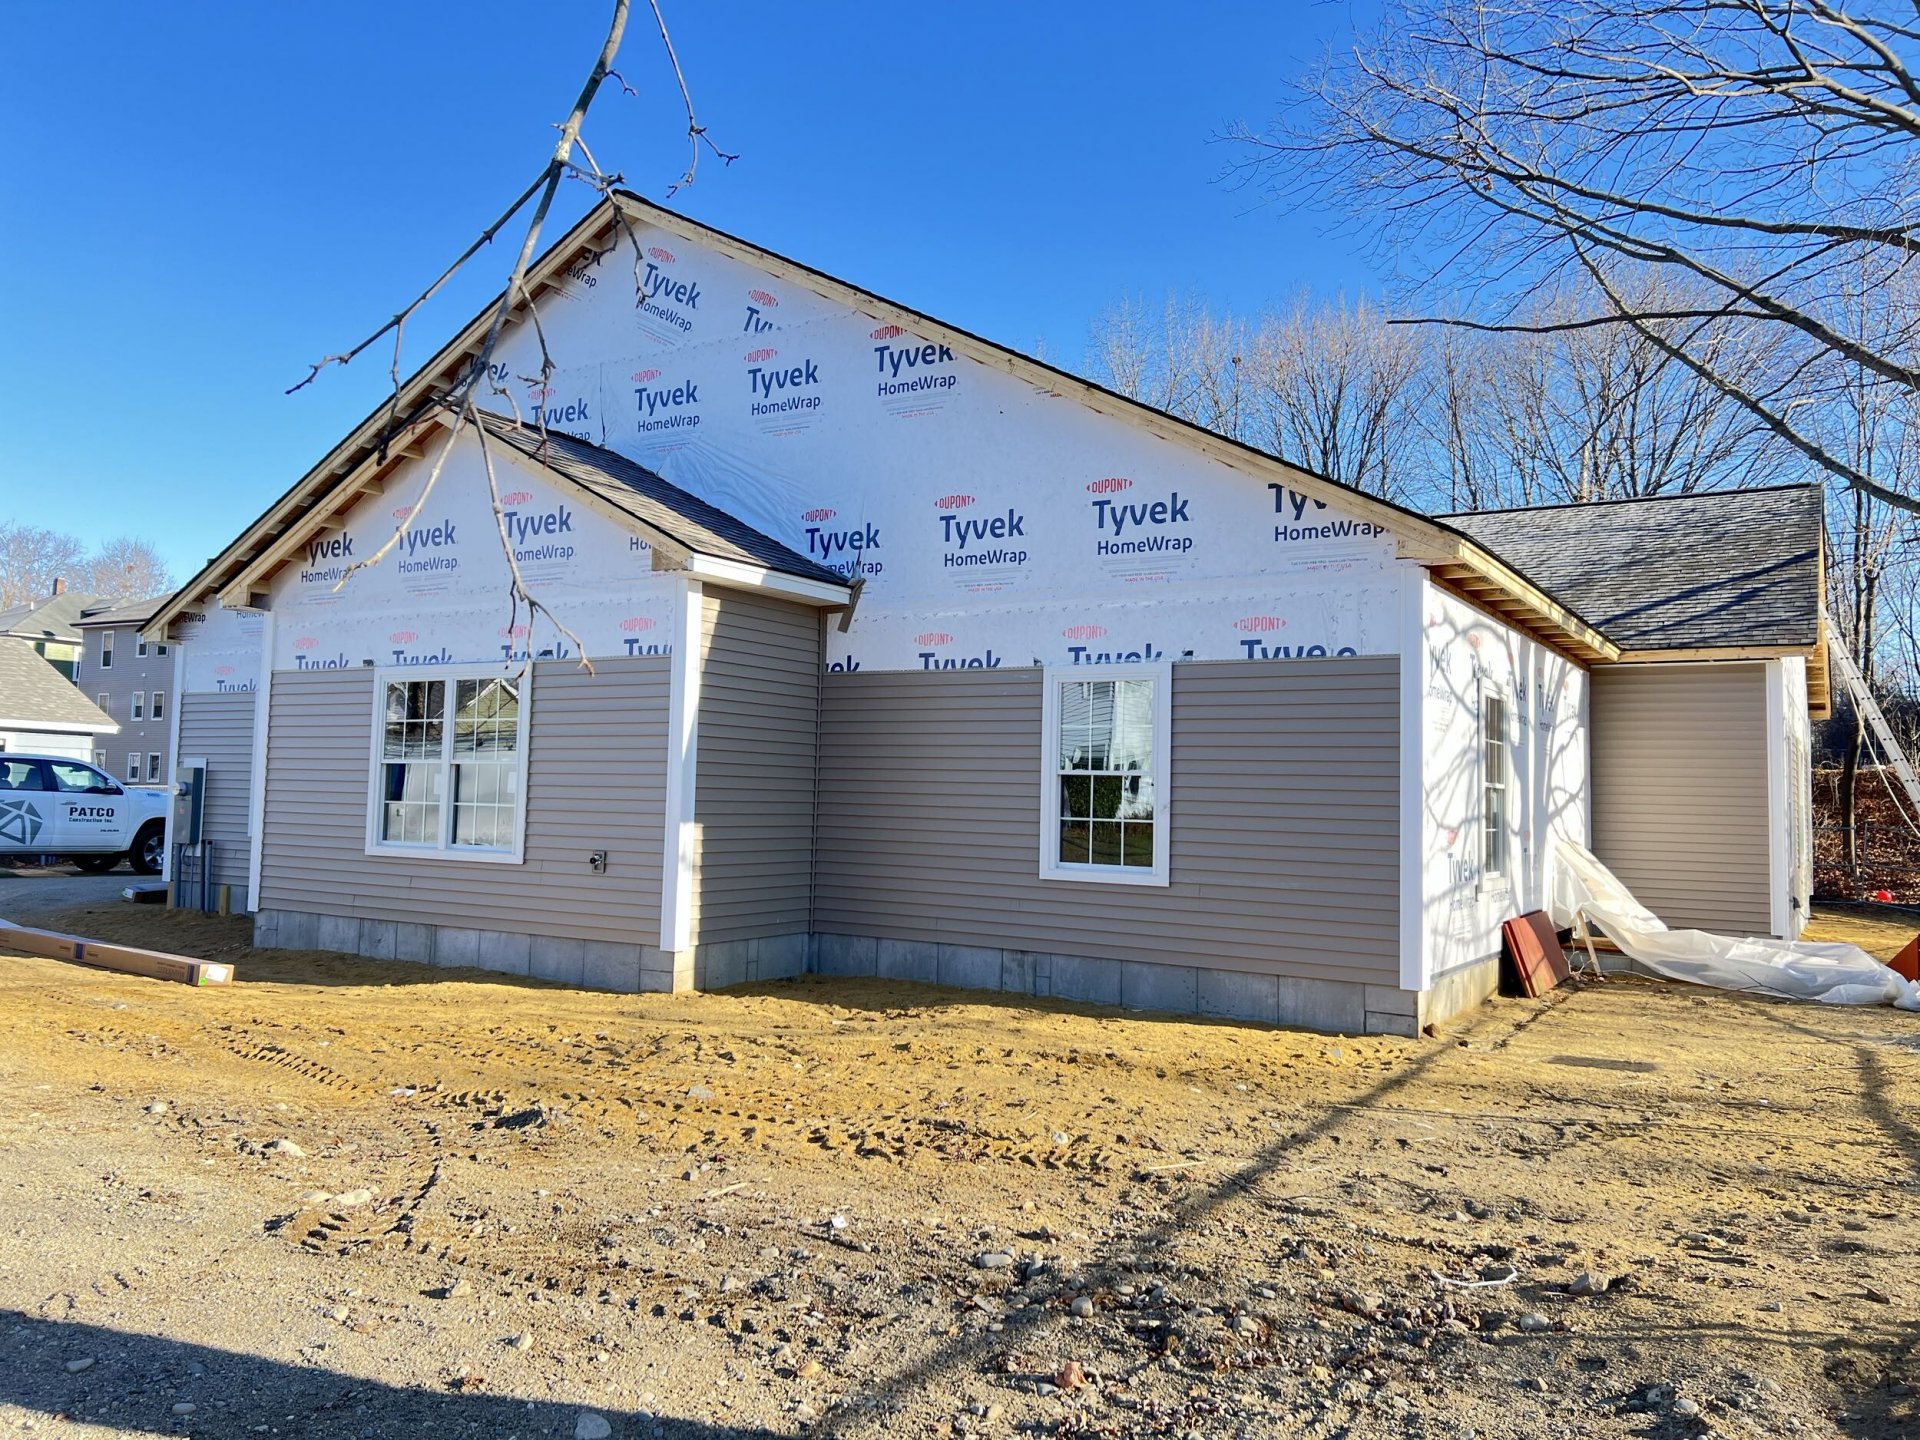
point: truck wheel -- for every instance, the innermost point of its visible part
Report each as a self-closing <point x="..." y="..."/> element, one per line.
<point x="149" y="848"/>
<point x="97" y="864"/>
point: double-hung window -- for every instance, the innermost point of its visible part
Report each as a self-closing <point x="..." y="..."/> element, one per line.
<point x="1493" y="783"/>
<point x="139" y="705"/>
<point x="106" y="649"/>
<point x="448" y="766"/>
<point x="159" y="707"/>
<point x="1104" y="810"/>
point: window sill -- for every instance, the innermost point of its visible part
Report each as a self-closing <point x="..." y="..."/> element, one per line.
<point x="1105" y="875"/>
<point x="431" y="852"/>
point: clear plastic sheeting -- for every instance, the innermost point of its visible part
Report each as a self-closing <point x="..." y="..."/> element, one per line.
<point x="1835" y="973"/>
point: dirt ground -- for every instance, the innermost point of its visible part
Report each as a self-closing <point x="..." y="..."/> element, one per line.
<point x="341" y="1198"/>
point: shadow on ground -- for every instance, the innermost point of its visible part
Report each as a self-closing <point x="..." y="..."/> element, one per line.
<point x="135" y="1381"/>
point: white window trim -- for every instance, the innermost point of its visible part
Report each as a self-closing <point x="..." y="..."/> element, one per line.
<point x="137" y="706"/>
<point x="465" y="854"/>
<point x="106" y="650"/>
<point x="1052" y="678"/>
<point x="133" y="767"/>
<point x="156" y="708"/>
<point x="1490" y="878"/>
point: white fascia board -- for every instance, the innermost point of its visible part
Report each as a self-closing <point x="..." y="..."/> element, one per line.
<point x="683" y="735"/>
<point x="257" y="783"/>
<point x="1779" y="826"/>
<point x="173" y="751"/>
<point x="1414" y="960"/>
<point x="61" y="727"/>
<point x="745" y="576"/>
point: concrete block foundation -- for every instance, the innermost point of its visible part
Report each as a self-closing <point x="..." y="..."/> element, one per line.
<point x="1333" y="1006"/>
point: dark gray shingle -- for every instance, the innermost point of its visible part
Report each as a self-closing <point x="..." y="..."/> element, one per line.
<point x="1680" y="572"/>
<point x="702" y="528"/>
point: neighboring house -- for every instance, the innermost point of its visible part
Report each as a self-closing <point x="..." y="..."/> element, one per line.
<point x="913" y="656"/>
<point x="131" y="678"/>
<point x="40" y="711"/>
<point x="48" y="625"/>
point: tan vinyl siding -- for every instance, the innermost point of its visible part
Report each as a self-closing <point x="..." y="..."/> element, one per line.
<point x="1680" y="791"/>
<point x="218" y="728"/>
<point x="753" y="791"/>
<point x="1285" y="820"/>
<point x="596" y="775"/>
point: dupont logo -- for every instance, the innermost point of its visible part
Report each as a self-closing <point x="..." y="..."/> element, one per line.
<point x="761" y="297"/>
<point x="636" y="624"/>
<point x="643" y="376"/>
<point x="223" y="669"/>
<point x="755" y="357"/>
<point x="1260" y="624"/>
<point x="1112" y="485"/>
<point x="756" y="321"/>
<point x="821" y="514"/>
<point x="403" y="637"/>
<point x="660" y="253"/>
<point x="539" y="393"/>
<point x="1083" y="632"/>
<point x="513" y="632"/>
<point x="305" y="642"/>
<point x="953" y="502"/>
<point x="888" y="332"/>
<point x="933" y="637"/>
<point x="516" y="497"/>
<point x="1473" y="639"/>
<point x="403" y="512"/>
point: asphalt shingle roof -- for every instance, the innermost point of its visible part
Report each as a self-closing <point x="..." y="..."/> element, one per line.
<point x="123" y="612"/>
<point x="654" y="501"/>
<point x="49" y="618"/>
<point x="1678" y="572"/>
<point x="33" y="691"/>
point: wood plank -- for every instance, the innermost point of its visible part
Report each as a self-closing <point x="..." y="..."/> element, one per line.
<point x="127" y="959"/>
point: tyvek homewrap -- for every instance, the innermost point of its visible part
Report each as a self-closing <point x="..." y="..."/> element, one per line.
<point x="440" y="596"/>
<point x="1019" y="524"/>
<point x="221" y="648"/>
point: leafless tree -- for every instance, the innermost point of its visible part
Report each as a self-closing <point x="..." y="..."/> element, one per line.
<point x="1759" y="153"/>
<point x="31" y="559"/>
<point x="1449" y="419"/>
<point x="1340" y="392"/>
<point x="127" y="568"/>
<point x="536" y="200"/>
<point x="1329" y="387"/>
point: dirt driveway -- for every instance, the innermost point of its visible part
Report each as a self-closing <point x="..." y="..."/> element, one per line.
<point x="349" y="1199"/>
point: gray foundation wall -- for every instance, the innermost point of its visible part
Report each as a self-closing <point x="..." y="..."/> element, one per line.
<point x="1347" y="1007"/>
<point x="622" y="966"/>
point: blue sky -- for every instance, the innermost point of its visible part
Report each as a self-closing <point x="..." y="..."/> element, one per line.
<point x="197" y="201"/>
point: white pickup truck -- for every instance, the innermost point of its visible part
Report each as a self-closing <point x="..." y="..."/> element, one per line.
<point x="52" y="805"/>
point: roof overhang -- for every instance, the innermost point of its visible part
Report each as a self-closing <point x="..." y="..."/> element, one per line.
<point x="61" y="727"/>
<point x="1819" y="676"/>
<point x="368" y="452"/>
<point x="246" y="588"/>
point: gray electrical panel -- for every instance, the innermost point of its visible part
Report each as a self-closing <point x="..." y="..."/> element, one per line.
<point x="189" y="801"/>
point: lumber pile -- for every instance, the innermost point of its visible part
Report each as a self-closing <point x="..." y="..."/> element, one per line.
<point x="129" y="960"/>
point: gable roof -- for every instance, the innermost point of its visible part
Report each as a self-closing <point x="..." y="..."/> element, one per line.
<point x="1720" y="569"/>
<point x="362" y="457"/>
<point x="122" y="612"/>
<point x="36" y="696"/>
<point x="657" y="503"/>
<point x="52" y="617"/>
